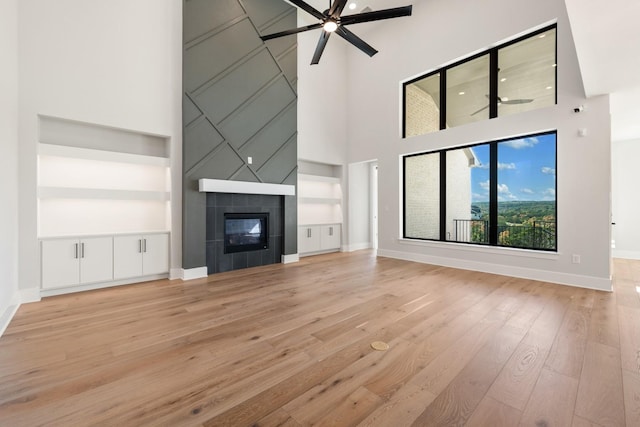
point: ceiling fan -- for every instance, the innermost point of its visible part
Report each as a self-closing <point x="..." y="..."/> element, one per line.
<point x="505" y="101"/>
<point x="332" y="21"/>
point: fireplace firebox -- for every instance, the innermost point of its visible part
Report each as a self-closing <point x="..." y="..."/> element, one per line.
<point x="245" y="232"/>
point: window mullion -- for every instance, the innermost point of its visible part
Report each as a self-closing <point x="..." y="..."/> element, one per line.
<point x="493" y="83"/>
<point x="493" y="194"/>
<point x="443" y="195"/>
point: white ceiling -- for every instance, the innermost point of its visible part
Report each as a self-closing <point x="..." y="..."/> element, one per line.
<point x="607" y="39"/>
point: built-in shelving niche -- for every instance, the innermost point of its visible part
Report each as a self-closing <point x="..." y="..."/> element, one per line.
<point x="95" y="179"/>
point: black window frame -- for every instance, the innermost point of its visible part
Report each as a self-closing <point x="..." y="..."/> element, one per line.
<point x="493" y="78"/>
<point x="493" y="193"/>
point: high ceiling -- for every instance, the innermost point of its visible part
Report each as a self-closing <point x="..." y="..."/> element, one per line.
<point x="607" y="40"/>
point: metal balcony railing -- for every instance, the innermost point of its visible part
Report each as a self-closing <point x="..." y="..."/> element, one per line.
<point x="538" y="235"/>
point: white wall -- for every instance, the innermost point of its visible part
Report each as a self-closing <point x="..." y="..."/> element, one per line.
<point x="625" y="198"/>
<point x="114" y="63"/>
<point x="322" y="99"/>
<point x="437" y="34"/>
<point x="8" y="160"/>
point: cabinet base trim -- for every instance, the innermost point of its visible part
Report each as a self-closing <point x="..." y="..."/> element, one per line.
<point x="328" y="251"/>
<point x="193" y="273"/>
<point x="92" y="286"/>
<point x="291" y="258"/>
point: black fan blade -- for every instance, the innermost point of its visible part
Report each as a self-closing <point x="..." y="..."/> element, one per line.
<point x="355" y="40"/>
<point x="336" y="8"/>
<point x="482" y="109"/>
<point x="292" y="31"/>
<point x="517" y="101"/>
<point x="324" y="37"/>
<point x="377" y="15"/>
<point x="309" y="9"/>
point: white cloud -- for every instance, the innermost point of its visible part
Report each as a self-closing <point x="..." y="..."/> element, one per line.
<point x="526" y="191"/>
<point x="484" y="185"/>
<point x="504" y="193"/>
<point x="521" y="143"/>
<point x="548" y="171"/>
<point x="506" y="166"/>
<point x="549" y="192"/>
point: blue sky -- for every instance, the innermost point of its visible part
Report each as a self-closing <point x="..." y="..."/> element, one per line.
<point x="526" y="170"/>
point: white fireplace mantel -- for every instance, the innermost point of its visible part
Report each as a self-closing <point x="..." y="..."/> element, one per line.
<point x="243" y="187"/>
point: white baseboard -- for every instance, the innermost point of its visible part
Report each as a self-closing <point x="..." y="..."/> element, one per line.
<point x="617" y="253"/>
<point x="193" y="273"/>
<point x="29" y="295"/>
<point x="589" y="282"/>
<point x="356" y="247"/>
<point x="100" y="285"/>
<point x="291" y="258"/>
<point x="7" y="312"/>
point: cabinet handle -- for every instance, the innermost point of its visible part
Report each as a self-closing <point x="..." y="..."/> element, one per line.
<point x="308" y="232"/>
<point x="81" y="250"/>
<point x="75" y="250"/>
<point x="145" y="245"/>
<point x="330" y="231"/>
<point x="139" y="245"/>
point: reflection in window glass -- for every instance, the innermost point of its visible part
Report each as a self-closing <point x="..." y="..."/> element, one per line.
<point x="527" y="74"/>
<point x="422" y="196"/>
<point x="468" y="194"/>
<point x="527" y="192"/>
<point x="468" y="92"/>
<point x="422" y="106"/>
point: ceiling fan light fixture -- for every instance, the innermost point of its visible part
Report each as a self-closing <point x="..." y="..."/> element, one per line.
<point x="352" y="5"/>
<point x="330" y="26"/>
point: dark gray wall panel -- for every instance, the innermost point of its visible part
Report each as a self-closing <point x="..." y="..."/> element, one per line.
<point x="275" y="169"/>
<point x="206" y="15"/>
<point x="269" y="140"/>
<point x="237" y="87"/>
<point x="189" y="111"/>
<point x="262" y="12"/>
<point x="199" y="140"/>
<point x="222" y="165"/>
<point x="256" y="114"/>
<point x="205" y="60"/>
<point x="240" y="102"/>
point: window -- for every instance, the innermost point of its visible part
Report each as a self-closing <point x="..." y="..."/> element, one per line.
<point x="515" y="77"/>
<point x="500" y="193"/>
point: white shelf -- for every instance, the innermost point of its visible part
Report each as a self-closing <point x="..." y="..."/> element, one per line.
<point x="320" y="200"/>
<point x="318" y="178"/>
<point x="97" y="193"/>
<point x="100" y="155"/>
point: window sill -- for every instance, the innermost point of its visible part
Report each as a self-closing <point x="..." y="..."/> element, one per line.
<point x="516" y="252"/>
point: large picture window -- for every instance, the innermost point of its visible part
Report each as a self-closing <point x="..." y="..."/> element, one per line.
<point x="501" y="193"/>
<point x="511" y="78"/>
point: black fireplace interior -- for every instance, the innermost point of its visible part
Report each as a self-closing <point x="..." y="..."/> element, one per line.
<point x="267" y="209"/>
<point x="245" y="232"/>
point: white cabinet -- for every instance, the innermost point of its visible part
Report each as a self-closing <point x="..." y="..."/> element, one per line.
<point x="140" y="255"/>
<point x="330" y="236"/>
<point x="70" y="262"/>
<point x="308" y="239"/>
<point x="319" y="238"/>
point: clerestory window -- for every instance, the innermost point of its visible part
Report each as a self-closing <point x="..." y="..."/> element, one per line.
<point x="508" y="79"/>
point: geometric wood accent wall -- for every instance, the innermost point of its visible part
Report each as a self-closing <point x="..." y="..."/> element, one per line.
<point x="239" y="101"/>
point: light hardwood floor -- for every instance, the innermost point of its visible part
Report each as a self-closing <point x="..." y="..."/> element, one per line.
<point x="289" y="345"/>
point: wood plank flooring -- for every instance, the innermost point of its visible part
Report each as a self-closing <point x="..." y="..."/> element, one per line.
<point x="289" y="345"/>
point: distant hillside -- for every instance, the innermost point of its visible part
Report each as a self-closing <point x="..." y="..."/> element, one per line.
<point x="520" y="212"/>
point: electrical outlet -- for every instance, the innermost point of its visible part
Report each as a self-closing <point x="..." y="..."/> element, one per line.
<point x="575" y="259"/>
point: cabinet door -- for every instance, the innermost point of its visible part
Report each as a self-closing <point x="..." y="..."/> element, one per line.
<point x="308" y="239"/>
<point x="155" y="259"/>
<point x="127" y="257"/>
<point x="96" y="259"/>
<point x="60" y="263"/>
<point x="330" y="237"/>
